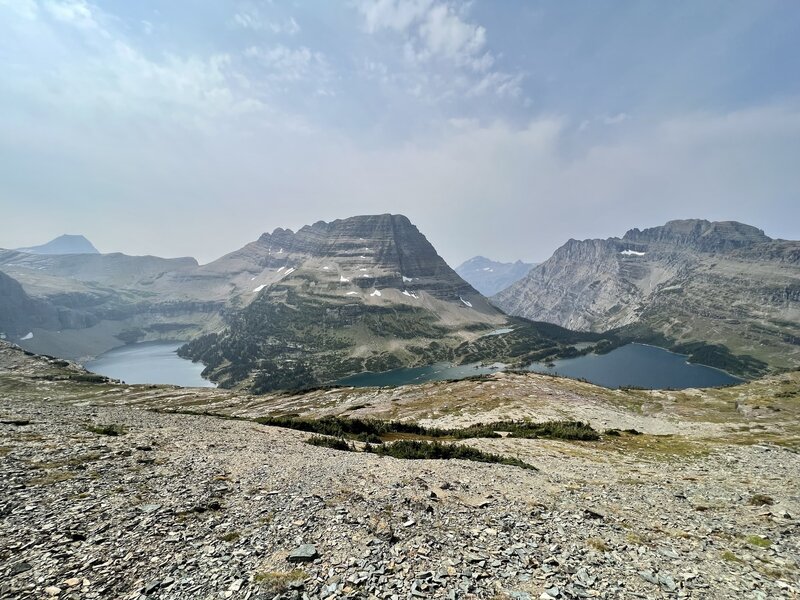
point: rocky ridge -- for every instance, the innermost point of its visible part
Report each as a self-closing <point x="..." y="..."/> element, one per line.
<point x="721" y="283"/>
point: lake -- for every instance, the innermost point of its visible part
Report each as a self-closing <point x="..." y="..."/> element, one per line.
<point x="630" y="365"/>
<point x="149" y="362"/>
<point x="641" y="366"/>
<point x="405" y="376"/>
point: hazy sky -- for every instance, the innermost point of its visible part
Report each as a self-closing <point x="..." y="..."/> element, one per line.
<point x="500" y="128"/>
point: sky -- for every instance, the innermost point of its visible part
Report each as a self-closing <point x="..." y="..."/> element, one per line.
<point x="190" y="127"/>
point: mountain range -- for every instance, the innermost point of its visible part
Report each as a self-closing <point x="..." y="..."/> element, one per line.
<point x="288" y="309"/>
<point x="705" y="288"/>
<point x="370" y="293"/>
<point x="489" y="276"/>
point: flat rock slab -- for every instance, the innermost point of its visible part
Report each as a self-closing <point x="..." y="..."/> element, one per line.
<point x="303" y="553"/>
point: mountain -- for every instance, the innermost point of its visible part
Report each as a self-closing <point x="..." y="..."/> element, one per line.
<point x="723" y="291"/>
<point x="63" y="244"/>
<point x="367" y="293"/>
<point x="489" y="276"/>
<point x="105" y="300"/>
<point x="287" y="310"/>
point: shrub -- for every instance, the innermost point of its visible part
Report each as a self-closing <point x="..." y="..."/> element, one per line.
<point x="278" y="582"/>
<point x="372" y="430"/>
<point x="760" y="500"/>
<point x="415" y="450"/>
<point x="111" y="429"/>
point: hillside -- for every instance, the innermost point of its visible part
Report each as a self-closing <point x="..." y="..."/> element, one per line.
<point x="489" y="276"/>
<point x="714" y="288"/>
<point x="367" y="293"/>
<point x="101" y="473"/>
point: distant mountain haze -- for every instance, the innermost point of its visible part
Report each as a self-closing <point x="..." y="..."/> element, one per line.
<point x="489" y="276"/>
<point x="63" y="244"/>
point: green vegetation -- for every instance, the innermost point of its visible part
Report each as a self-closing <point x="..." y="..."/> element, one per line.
<point x="111" y="429"/>
<point x="760" y="500"/>
<point x="730" y="557"/>
<point x="757" y="540"/>
<point x="417" y="450"/>
<point x="231" y="536"/>
<point x="88" y="378"/>
<point x="278" y="582"/>
<point x="374" y="430"/>
<point x="290" y="340"/>
<point x="598" y="544"/>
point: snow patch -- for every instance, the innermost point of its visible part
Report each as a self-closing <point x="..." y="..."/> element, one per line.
<point x="259" y="288"/>
<point x="410" y="294"/>
<point x="407" y="279"/>
<point x="343" y="279"/>
<point x="281" y="269"/>
<point x="29" y="335"/>
<point x="632" y="253"/>
<point x="362" y="269"/>
<point x="288" y="271"/>
<point x="351" y="294"/>
<point x="366" y="275"/>
<point x="466" y="302"/>
<point x="253" y="277"/>
<point x="490" y="269"/>
<point x="280" y="251"/>
<point x="375" y="293"/>
<point x="326" y="268"/>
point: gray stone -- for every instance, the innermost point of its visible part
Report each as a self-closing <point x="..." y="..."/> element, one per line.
<point x="303" y="553"/>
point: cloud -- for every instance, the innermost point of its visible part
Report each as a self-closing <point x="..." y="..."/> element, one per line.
<point x="283" y="63"/>
<point x="437" y="32"/>
<point x="27" y="9"/>
<point x="392" y="14"/>
<point x="252" y="19"/>
<point x="615" y="119"/>
<point x="77" y="13"/>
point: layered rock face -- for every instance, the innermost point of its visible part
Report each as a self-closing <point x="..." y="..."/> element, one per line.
<point x="721" y="283"/>
<point x="489" y="276"/>
<point x="364" y="293"/>
<point x="375" y="251"/>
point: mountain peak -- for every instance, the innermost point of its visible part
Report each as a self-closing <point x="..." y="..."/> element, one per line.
<point x="489" y="276"/>
<point x="703" y="234"/>
<point x="63" y="244"/>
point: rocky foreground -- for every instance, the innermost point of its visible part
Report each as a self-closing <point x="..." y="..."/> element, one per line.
<point x="104" y="495"/>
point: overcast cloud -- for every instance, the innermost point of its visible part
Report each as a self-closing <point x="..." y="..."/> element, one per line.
<point x="191" y="127"/>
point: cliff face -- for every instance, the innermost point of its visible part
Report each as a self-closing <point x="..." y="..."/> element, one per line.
<point x="724" y="283"/>
<point x="20" y="313"/>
